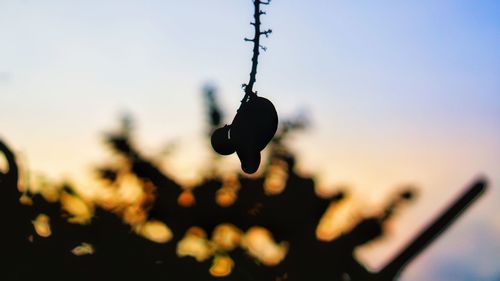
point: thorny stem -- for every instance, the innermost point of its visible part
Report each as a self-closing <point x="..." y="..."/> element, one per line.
<point x="256" y="46"/>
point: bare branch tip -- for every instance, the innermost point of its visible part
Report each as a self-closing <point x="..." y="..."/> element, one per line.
<point x="266" y="33"/>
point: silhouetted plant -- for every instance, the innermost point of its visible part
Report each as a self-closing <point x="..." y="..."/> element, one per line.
<point x="256" y="120"/>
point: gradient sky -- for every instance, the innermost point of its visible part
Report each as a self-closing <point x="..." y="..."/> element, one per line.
<point x="397" y="93"/>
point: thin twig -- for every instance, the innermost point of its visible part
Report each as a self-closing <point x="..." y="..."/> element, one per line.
<point x="256" y="47"/>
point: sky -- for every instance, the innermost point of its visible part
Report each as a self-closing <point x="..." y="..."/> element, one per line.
<point x="397" y="93"/>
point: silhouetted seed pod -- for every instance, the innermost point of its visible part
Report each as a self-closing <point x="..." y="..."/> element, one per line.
<point x="256" y="121"/>
<point x="221" y="142"/>
<point x="266" y="121"/>
<point x="250" y="160"/>
<point x="252" y="129"/>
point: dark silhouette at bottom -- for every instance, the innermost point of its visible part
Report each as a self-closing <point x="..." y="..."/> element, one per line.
<point x="120" y="254"/>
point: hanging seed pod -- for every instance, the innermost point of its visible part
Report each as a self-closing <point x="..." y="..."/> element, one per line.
<point x="253" y="128"/>
<point x="221" y="142"/>
<point x="250" y="160"/>
<point x="256" y="121"/>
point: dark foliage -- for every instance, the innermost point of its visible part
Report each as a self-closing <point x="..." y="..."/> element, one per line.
<point x="120" y="254"/>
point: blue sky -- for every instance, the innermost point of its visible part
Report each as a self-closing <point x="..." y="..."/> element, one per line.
<point x="397" y="92"/>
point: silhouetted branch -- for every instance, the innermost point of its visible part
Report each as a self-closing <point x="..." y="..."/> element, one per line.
<point x="267" y="32"/>
<point x="256" y="47"/>
<point x="13" y="172"/>
<point x="433" y="230"/>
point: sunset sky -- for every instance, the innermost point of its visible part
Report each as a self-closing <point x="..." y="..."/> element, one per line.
<point x="397" y="93"/>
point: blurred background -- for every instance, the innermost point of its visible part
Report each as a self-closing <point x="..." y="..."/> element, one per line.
<point x="397" y="93"/>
